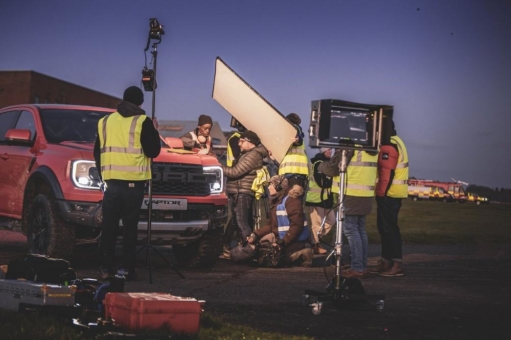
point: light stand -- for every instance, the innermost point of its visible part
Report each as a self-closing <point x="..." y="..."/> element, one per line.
<point x="338" y="292"/>
<point x="148" y="246"/>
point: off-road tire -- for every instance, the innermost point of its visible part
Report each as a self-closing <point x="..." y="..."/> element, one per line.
<point x="200" y="254"/>
<point x="47" y="233"/>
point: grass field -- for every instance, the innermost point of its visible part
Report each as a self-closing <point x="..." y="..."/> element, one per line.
<point x="428" y="222"/>
<point x="34" y="326"/>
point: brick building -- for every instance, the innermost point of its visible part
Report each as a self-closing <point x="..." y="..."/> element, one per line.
<point x="29" y="87"/>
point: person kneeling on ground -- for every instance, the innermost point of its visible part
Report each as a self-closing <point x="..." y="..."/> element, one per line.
<point x="287" y="227"/>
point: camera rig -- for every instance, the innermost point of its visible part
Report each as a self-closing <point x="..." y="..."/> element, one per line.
<point x="149" y="75"/>
<point x="346" y="126"/>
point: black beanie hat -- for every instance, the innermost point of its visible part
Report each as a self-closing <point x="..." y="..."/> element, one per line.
<point x="133" y="95"/>
<point x="205" y="119"/>
<point x="294" y="118"/>
<point x="251" y="136"/>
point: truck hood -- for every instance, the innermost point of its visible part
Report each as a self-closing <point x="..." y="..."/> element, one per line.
<point x="167" y="156"/>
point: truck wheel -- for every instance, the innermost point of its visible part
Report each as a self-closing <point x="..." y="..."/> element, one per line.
<point x="47" y="233"/>
<point x="200" y="254"/>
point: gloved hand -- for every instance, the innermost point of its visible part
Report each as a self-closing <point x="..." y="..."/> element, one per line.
<point x="252" y="238"/>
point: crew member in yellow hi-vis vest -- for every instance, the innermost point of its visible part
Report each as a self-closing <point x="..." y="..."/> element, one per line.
<point x="320" y="200"/>
<point x="127" y="139"/>
<point x="295" y="165"/>
<point x="358" y="199"/>
<point x="391" y="189"/>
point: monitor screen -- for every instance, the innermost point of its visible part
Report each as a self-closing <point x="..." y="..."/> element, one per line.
<point x="348" y="126"/>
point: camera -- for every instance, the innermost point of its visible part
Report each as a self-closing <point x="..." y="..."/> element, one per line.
<point x="155" y="29"/>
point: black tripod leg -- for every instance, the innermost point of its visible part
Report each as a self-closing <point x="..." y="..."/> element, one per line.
<point x="148" y="248"/>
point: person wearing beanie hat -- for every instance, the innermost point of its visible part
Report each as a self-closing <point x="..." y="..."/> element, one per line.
<point x="234" y="150"/>
<point x="204" y="119"/>
<point x="199" y="140"/>
<point x="133" y="95"/>
<point x="125" y="176"/>
<point x="240" y="178"/>
<point x="320" y="200"/>
<point x="251" y="137"/>
<point x="287" y="225"/>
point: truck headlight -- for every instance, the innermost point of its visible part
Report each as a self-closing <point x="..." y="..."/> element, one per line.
<point x="216" y="183"/>
<point x="84" y="174"/>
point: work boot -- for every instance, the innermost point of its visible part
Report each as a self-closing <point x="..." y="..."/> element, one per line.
<point x="306" y="257"/>
<point x="382" y="266"/>
<point x="301" y="257"/>
<point x="319" y="250"/>
<point x="226" y="254"/>
<point x="352" y="273"/>
<point x="395" y="270"/>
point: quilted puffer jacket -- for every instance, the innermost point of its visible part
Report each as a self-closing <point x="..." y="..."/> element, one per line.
<point x="243" y="172"/>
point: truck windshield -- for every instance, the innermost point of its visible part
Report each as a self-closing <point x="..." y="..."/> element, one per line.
<point x="61" y="125"/>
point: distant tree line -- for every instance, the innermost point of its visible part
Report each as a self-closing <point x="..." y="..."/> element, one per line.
<point x="499" y="195"/>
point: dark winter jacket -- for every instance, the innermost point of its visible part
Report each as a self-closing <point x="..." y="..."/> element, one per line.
<point x="294" y="209"/>
<point x="243" y="172"/>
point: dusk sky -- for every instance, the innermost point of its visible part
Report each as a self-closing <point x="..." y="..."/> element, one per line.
<point x="445" y="65"/>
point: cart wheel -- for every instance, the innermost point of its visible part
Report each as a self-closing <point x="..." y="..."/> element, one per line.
<point x="316" y="308"/>
<point x="380" y="305"/>
<point x="305" y="300"/>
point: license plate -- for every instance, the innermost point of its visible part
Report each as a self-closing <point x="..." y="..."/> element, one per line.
<point x="166" y="204"/>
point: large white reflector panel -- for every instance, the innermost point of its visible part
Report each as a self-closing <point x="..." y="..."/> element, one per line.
<point x="252" y="110"/>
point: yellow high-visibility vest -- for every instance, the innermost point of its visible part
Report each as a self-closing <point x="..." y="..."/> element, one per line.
<point x="361" y="174"/>
<point x="295" y="161"/>
<point x="399" y="185"/>
<point x="230" y="155"/>
<point x="122" y="156"/>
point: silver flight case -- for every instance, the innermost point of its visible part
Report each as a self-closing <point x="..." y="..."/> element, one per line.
<point x="14" y="293"/>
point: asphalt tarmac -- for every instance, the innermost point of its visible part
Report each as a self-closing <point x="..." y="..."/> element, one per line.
<point x="447" y="292"/>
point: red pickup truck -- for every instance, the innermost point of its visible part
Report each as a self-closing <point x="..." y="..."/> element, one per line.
<point x="49" y="186"/>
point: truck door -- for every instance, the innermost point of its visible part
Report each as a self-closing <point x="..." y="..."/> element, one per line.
<point x="7" y="121"/>
<point x="14" y="171"/>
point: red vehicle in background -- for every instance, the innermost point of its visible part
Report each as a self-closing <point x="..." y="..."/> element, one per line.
<point x="455" y="190"/>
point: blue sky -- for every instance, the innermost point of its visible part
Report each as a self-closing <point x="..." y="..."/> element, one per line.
<point x="443" y="64"/>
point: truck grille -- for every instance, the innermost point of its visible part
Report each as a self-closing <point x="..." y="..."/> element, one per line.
<point x="180" y="179"/>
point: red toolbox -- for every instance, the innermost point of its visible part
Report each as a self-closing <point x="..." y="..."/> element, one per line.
<point x="137" y="311"/>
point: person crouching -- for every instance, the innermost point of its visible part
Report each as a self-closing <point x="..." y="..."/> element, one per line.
<point x="287" y="228"/>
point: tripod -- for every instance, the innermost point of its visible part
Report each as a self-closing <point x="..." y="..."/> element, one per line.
<point x="257" y="207"/>
<point x="342" y="292"/>
<point x="148" y="246"/>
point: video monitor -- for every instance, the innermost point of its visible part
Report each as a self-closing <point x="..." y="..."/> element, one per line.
<point x="341" y="124"/>
<point x="348" y="126"/>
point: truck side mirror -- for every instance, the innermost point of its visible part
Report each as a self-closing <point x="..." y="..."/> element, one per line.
<point x="18" y="137"/>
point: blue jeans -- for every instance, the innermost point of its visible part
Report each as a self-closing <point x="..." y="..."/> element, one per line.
<point x="242" y="212"/>
<point x="354" y="227"/>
